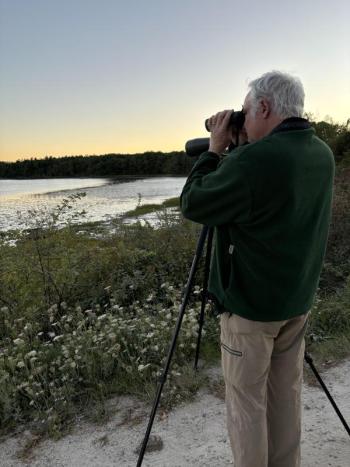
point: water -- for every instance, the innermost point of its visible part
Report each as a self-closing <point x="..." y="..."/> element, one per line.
<point x="105" y="198"/>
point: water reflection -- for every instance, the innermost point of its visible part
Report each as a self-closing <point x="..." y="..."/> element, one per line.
<point x="105" y="198"/>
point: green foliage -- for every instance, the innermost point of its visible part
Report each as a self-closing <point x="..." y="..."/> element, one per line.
<point x="171" y="202"/>
<point x="336" y="135"/>
<point x="142" y="209"/>
<point x="107" y="165"/>
<point x="328" y="334"/>
<point x="51" y="265"/>
<point x="337" y="261"/>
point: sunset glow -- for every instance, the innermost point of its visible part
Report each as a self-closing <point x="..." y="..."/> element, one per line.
<point x="88" y="77"/>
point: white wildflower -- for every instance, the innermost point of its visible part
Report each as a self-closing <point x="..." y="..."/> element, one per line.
<point x="32" y="353"/>
<point x="143" y="367"/>
<point x="58" y="338"/>
<point x="21" y="365"/>
<point x="18" y="341"/>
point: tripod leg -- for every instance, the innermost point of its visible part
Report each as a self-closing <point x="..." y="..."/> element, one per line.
<point x="197" y="256"/>
<point x="309" y="360"/>
<point x="205" y="290"/>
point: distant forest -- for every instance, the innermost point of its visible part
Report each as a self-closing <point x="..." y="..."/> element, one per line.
<point x="148" y="163"/>
<point x="336" y="135"/>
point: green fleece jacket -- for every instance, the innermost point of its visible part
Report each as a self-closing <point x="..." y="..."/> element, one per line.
<point x="270" y="203"/>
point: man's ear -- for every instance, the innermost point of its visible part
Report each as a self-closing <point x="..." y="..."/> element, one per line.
<point x="265" y="108"/>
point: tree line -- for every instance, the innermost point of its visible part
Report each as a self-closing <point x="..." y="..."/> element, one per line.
<point x="148" y="163"/>
<point x="336" y="135"/>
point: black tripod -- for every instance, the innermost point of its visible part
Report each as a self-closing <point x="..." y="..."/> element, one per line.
<point x="207" y="232"/>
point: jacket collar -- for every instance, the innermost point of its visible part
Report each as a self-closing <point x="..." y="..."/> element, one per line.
<point x="292" y="123"/>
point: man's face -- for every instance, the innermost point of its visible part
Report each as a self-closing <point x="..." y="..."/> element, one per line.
<point x="254" y="123"/>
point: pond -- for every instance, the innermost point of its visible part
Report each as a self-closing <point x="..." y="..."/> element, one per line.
<point x="104" y="198"/>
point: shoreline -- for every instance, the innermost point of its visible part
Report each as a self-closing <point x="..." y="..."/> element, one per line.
<point x="112" y="177"/>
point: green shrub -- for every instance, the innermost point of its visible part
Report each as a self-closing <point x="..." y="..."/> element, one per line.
<point x="336" y="267"/>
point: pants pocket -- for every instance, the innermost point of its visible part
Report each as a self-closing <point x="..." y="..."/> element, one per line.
<point x="228" y="349"/>
<point x="245" y="358"/>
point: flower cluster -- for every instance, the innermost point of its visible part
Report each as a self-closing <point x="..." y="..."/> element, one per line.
<point x="43" y="371"/>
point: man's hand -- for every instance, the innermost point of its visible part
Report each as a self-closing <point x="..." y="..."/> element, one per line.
<point x="220" y="132"/>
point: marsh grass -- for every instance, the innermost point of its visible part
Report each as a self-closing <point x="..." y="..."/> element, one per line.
<point x="143" y="209"/>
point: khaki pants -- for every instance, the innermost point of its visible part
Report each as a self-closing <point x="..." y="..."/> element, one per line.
<point x="262" y="365"/>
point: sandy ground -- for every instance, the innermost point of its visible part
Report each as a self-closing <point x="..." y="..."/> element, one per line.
<point x="192" y="435"/>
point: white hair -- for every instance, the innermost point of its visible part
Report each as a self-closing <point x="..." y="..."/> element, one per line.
<point x="284" y="92"/>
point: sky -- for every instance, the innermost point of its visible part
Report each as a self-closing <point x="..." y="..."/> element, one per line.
<point x="111" y="76"/>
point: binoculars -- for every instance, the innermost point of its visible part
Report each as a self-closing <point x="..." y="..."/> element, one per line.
<point x="236" y="120"/>
<point x="194" y="147"/>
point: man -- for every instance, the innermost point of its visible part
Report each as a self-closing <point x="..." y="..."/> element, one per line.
<point x="270" y="203"/>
